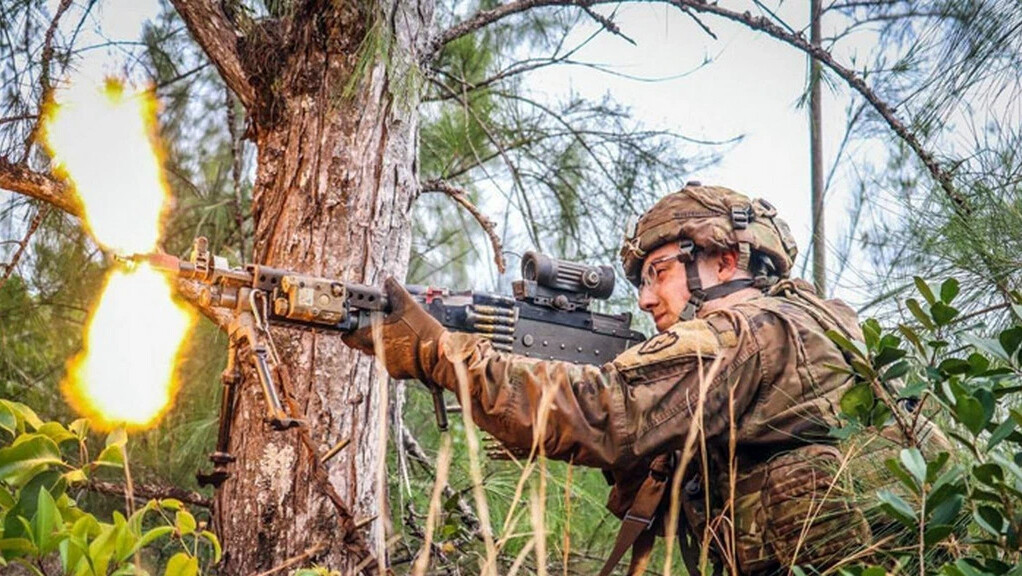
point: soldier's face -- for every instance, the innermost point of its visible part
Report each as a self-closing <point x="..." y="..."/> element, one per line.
<point x="664" y="289"/>
<point x="663" y="292"/>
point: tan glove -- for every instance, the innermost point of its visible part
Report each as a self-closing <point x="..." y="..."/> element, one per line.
<point x="410" y="337"/>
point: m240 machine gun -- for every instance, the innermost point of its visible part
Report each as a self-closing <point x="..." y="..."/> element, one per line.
<point x="549" y="317"/>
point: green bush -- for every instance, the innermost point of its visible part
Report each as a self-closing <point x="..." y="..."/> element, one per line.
<point x="956" y="493"/>
<point x="42" y="528"/>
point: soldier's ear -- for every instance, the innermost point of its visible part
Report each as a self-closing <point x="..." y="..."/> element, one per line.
<point x="727" y="265"/>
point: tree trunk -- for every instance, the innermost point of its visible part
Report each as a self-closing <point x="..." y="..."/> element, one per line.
<point x="816" y="156"/>
<point x="336" y="178"/>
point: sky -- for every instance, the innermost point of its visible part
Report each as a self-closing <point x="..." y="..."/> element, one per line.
<point x="751" y="88"/>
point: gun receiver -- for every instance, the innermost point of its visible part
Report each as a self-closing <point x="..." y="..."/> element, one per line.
<point x="549" y="317"/>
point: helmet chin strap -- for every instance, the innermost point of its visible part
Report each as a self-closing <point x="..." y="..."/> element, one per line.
<point x="699" y="296"/>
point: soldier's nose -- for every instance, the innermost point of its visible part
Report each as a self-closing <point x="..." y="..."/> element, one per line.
<point x="647" y="300"/>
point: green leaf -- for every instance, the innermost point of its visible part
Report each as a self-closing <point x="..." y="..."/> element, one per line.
<point x="1010" y="339"/>
<point x="978" y="364"/>
<point x="943" y="314"/>
<point x="913" y="461"/>
<point x="8" y="421"/>
<point x="46" y="521"/>
<point x="858" y="400"/>
<point x="925" y="290"/>
<point x="182" y="564"/>
<point x="970" y="413"/>
<point x="851" y="346"/>
<point x="150" y="537"/>
<point x="899" y="473"/>
<point x="912" y="337"/>
<point x="987" y="345"/>
<point x="896" y="371"/>
<point x="171" y="504"/>
<point x="24" y="414"/>
<point x="1007" y="464"/>
<point x="955" y="366"/>
<point x="989" y="519"/>
<point x="947" y="511"/>
<point x="936" y="533"/>
<point x="949" y="289"/>
<point x="184" y="522"/>
<point x="871" y="332"/>
<point x="76" y="476"/>
<point x="117" y="438"/>
<point x="989" y="474"/>
<point x="56" y="432"/>
<point x="17" y="547"/>
<point x="888" y="355"/>
<point x="1000" y="433"/>
<point x="80" y="428"/>
<point x="112" y="456"/>
<point x="933" y="467"/>
<point x="897" y="508"/>
<point x="19" y="463"/>
<point x="211" y="537"/>
<point x="917" y="311"/>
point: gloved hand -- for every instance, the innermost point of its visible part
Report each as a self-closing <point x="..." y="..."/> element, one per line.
<point x="410" y="336"/>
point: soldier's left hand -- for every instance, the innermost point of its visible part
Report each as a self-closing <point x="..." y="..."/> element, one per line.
<point x="409" y="336"/>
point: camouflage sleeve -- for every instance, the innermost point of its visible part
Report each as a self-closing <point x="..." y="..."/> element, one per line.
<point x="611" y="416"/>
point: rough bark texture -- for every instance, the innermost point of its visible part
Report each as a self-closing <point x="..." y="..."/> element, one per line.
<point x="332" y="91"/>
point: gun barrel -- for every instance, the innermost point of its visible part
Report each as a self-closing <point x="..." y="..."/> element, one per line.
<point x="159" y="261"/>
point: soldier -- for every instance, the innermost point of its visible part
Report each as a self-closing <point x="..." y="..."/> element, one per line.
<point x="737" y="338"/>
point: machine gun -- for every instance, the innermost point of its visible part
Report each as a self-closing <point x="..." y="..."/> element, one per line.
<point x="549" y="317"/>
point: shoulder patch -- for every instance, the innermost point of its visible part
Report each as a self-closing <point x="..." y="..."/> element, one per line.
<point x="684" y="339"/>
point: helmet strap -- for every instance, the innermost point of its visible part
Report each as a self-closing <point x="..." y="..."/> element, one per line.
<point x="699" y="296"/>
<point x="695" y="290"/>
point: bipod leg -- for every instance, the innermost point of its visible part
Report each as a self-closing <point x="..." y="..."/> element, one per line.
<point x="229" y="379"/>
<point x="275" y="413"/>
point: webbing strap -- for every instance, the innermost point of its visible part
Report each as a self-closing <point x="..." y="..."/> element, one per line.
<point x="637" y="527"/>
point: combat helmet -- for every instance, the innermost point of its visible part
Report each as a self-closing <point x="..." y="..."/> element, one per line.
<point x="712" y="219"/>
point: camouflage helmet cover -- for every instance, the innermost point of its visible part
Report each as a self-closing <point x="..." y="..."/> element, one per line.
<point x="715" y="219"/>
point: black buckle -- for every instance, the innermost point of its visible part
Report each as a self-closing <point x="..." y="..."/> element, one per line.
<point x="695" y="301"/>
<point x="741" y="216"/>
<point x="688" y="250"/>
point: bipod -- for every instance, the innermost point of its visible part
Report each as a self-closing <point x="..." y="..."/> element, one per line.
<point x="248" y="331"/>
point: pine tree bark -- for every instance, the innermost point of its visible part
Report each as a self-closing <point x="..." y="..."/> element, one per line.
<point x="332" y="94"/>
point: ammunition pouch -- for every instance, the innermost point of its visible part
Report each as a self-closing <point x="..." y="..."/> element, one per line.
<point x="794" y="510"/>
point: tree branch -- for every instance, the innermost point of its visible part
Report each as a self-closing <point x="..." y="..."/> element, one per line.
<point x="17" y="178"/>
<point x="150" y="492"/>
<point x="41" y="213"/>
<point x="461" y="197"/>
<point x="218" y="37"/>
<point x="758" y="23"/>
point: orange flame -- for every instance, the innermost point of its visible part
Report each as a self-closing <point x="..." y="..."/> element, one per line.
<point x="103" y="138"/>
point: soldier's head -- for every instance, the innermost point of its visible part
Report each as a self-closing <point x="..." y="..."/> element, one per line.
<point x="703" y="243"/>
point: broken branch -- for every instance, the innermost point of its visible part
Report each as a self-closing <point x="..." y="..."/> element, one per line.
<point x="461" y="197"/>
<point x="18" y="178"/>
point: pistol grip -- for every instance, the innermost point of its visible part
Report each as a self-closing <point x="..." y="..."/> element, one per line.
<point x="439" y="407"/>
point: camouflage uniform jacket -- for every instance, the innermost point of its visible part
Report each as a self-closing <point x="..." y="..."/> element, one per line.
<point x="763" y="360"/>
